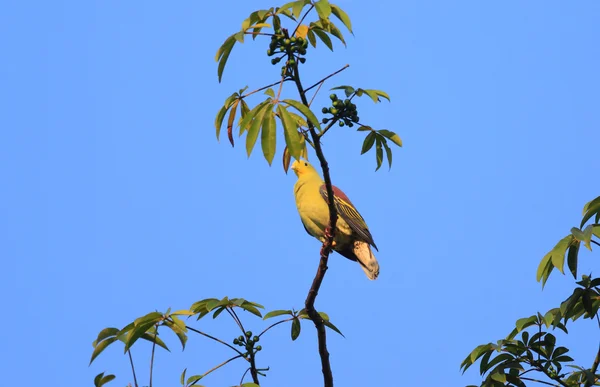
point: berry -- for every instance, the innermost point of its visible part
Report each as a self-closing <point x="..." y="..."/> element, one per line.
<point x="293" y="39"/>
<point x="236" y="341"/>
<point x="302" y="60"/>
<point x="341" y="123"/>
<point x="249" y="334"/>
<point x="333" y="111"/>
<point x="275" y="60"/>
<point x="325" y="110"/>
<point x="302" y="51"/>
<point x="255" y="338"/>
<point x="259" y="347"/>
<point x="291" y="62"/>
<point x="333" y="97"/>
<point x="325" y="120"/>
<point x="350" y="124"/>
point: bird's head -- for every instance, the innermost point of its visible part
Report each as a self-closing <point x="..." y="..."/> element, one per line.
<point x="303" y="168"/>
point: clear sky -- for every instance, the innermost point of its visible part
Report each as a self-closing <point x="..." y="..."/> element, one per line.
<point x="117" y="199"/>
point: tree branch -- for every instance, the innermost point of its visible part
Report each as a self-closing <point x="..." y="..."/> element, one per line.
<point x="594" y="242"/>
<point x="263" y="88"/>
<point x="325" y="249"/>
<point x="595" y="365"/>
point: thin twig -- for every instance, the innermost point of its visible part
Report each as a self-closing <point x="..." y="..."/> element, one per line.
<point x="236" y="319"/>
<point x="316" y="92"/>
<point x="213" y="338"/>
<point x="594" y="242"/>
<point x="325" y="249"/>
<point x="277" y="323"/>
<point x="540" y="381"/>
<point x="244" y="375"/>
<point x="326" y="78"/>
<point x="216" y="368"/>
<point x="152" y="357"/>
<point x="331" y="123"/>
<point x="263" y="88"/>
<point x="553" y="377"/>
<point x="258" y="33"/>
<point x="132" y="368"/>
<point x="301" y="20"/>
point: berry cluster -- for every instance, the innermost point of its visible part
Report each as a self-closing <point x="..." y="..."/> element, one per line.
<point x="291" y="47"/>
<point x="248" y="341"/>
<point x="344" y="111"/>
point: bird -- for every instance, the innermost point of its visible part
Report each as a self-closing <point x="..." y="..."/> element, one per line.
<point x="353" y="239"/>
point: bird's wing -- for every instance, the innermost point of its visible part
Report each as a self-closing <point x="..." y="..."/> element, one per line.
<point x="348" y="212"/>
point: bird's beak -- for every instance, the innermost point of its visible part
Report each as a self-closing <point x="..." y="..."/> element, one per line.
<point x="295" y="167"/>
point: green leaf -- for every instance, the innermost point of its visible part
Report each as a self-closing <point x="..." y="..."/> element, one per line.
<point x="250" y="385"/>
<point x="255" y="127"/>
<point x="247" y="119"/>
<point x="388" y="153"/>
<point x="499" y="377"/>
<point x="251" y="309"/>
<point x="219" y="120"/>
<point x="298" y="6"/>
<point x="378" y="153"/>
<point x="183" y="312"/>
<point x="329" y="325"/>
<point x="295" y="329"/>
<point x="479" y="351"/>
<point x="311" y="38"/>
<point x="152" y="338"/>
<point x="275" y="313"/>
<point x="239" y="36"/>
<point x="592" y="207"/>
<point x="572" y="258"/>
<point x="544" y="268"/>
<point x="193" y="379"/>
<point x="180" y="332"/>
<point x="525" y="322"/>
<point x="101" y="347"/>
<point x="101" y="380"/>
<point x="293" y="139"/>
<point x="323" y="9"/>
<point x="333" y="30"/>
<point x="323" y="36"/>
<point x="105" y="333"/>
<point x="305" y="111"/>
<point x="342" y="16"/>
<point x="368" y="143"/>
<point x="372" y="94"/>
<point x="391" y="136"/>
<point x="218" y="311"/>
<point x="348" y="90"/>
<point x="268" y="136"/>
<point x="270" y="92"/>
<point x="559" y="251"/>
<point x="182" y="377"/>
<point x="223" y="54"/>
<point x="230" y="121"/>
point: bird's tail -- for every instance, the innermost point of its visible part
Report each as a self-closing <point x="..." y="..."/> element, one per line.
<point x="361" y="252"/>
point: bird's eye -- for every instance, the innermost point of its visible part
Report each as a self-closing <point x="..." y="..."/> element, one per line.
<point x="306" y="164"/>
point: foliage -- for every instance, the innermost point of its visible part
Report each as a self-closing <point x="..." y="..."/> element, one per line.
<point x="512" y="361"/>
<point x="147" y="328"/>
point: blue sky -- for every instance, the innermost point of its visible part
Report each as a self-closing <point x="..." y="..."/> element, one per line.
<point x="118" y="200"/>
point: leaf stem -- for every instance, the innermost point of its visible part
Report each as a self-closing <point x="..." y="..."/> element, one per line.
<point x="216" y="368"/>
<point x="272" y="325"/>
<point x="152" y="356"/>
<point x="263" y="88"/>
<point x="326" y="78"/>
<point x="132" y="368"/>
<point x="214" y="338"/>
<point x="540" y="381"/>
